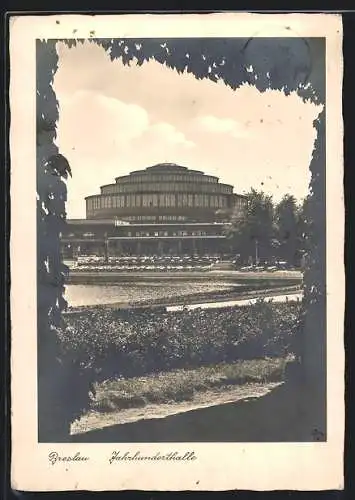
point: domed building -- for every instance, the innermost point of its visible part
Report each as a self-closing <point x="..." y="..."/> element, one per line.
<point x="161" y="193"/>
<point x="163" y="209"/>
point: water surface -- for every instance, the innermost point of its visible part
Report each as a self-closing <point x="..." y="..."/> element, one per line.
<point x="89" y="295"/>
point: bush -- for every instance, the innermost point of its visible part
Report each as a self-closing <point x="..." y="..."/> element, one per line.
<point x="128" y="343"/>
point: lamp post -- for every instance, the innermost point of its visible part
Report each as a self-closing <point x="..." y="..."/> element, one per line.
<point x="106" y="250"/>
<point x="256" y="252"/>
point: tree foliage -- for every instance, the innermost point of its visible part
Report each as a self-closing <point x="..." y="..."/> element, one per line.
<point x="269" y="231"/>
<point x="252" y="232"/>
<point x="277" y="64"/>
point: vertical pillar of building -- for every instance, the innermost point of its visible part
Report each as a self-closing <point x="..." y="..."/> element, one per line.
<point x="139" y="248"/>
<point x="118" y="249"/>
<point x="231" y="250"/>
<point x="106" y="247"/>
<point x="160" y="248"/>
<point x="202" y="247"/>
<point x="193" y="246"/>
<point x="179" y="247"/>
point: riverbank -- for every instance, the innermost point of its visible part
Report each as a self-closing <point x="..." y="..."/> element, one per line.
<point x="276" y="298"/>
<point x="225" y="298"/>
<point x="119" y="277"/>
<point x="150" y="363"/>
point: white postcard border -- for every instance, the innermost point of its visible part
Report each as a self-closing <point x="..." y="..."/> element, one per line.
<point x="219" y="466"/>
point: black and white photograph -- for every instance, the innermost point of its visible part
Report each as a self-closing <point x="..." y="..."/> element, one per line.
<point x="187" y="200"/>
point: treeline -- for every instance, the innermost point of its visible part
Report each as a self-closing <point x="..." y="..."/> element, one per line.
<point x="271" y="231"/>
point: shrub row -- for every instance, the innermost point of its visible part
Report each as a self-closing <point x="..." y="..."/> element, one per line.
<point x="126" y="343"/>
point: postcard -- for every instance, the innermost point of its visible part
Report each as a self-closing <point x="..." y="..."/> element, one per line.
<point x="177" y="233"/>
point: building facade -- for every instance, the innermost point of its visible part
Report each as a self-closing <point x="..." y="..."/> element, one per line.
<point x="164" y="209"/>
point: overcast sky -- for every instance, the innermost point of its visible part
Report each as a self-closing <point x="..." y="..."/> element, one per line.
<point x="114" y="119"/>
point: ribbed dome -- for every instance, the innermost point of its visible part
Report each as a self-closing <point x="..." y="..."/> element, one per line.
<point x="167" y="168"/>
<point x="165" y="191"/>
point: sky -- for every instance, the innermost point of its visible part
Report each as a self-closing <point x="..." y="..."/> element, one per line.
<point x="114" y="119"/>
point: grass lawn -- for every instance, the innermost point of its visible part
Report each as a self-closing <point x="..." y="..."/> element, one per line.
<point x="181" y="385"/>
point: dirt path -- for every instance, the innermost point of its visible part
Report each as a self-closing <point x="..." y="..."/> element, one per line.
<point x="97" y="420"/>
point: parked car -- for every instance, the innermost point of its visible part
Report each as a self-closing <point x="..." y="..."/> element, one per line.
<point x="259" y="268"/>
<point x="282" y="264"/>
<point x="247" y="268"/>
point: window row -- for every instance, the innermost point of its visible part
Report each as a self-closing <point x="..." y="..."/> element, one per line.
<point x="179" y="187"/>
<point x="240" y="202"/>
<point x="167" y="178"/>
<point x="161" y="233"/>
<point x="155" y="200"/>
<point x="166" y="233"/>
<point x="154" y="218"/>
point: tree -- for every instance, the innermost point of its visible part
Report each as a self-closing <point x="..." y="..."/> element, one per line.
<point x="64" y="383"/>
<point x="252" y="233"/>
<point x="286" y="228"/>
<point x="304" y="228"/>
